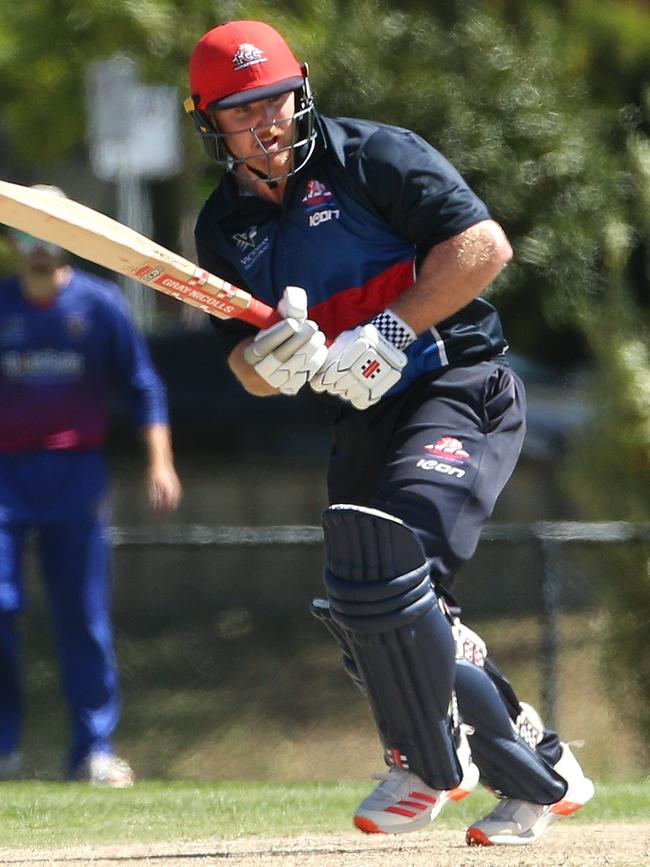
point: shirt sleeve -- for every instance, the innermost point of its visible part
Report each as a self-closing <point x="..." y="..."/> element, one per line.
<point x="415" y="188"/>
<point x="229" y="331"/>
<point x="134" y="372"/>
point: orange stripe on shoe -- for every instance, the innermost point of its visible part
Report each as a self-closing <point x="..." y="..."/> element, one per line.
<point x="475" y="837"/>
<point x="401" y="811"/>
<point x="417" y="804"/>
<point x="367" y="825"/>
<point x="458" y="794"/>
<point x="421" y="796"/>
<point x="565" y="808"/>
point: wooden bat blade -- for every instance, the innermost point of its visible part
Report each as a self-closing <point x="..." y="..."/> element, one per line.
<point x="97" y="238"/>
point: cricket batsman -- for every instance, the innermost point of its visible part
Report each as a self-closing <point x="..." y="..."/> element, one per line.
<point x="375" y="251"/>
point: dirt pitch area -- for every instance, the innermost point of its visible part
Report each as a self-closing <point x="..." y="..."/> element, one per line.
<point x="568" y="846"/>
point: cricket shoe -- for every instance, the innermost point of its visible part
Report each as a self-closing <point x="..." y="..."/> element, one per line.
<point x="402" y="802"/>
<point x="106" y="769"/>
<point x="514" y="822"/>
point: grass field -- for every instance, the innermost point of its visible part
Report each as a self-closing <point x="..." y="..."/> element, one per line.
<point x="46" y="815"/>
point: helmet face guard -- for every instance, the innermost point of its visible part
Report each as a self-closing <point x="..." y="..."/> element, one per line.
<point x="303" y="137"/>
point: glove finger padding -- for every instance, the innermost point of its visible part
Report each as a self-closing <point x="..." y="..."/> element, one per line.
<point x="330" y="372"/>
<point x="270" y="339"/>
<point x="361" y="366"/>
<point x="287" y="364"/>
<point x="293" y="304"/>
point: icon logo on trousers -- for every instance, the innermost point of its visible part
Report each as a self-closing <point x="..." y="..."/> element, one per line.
<point x="447" y="456"/>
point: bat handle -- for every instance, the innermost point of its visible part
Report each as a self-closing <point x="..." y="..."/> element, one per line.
<point x="260" y="314"/>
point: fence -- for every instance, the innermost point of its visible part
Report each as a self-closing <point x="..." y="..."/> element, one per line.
<point x="547" y="539"/>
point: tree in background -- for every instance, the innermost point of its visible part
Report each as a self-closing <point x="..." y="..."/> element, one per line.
<point x="543" y="104"/>
<point x="500" y="101"/>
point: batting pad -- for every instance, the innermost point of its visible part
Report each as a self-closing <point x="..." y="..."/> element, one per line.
<point x="382" y="599"/>
<point x="507" y="763"/>
<point x="320" y="608"/>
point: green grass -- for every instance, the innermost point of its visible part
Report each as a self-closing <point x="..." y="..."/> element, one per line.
<point x="43" y="815"/>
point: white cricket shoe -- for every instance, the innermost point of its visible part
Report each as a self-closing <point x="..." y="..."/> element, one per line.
<point x="403" y="802"/>
<point x="105" y="769"/>
<point x="514" y="822"/>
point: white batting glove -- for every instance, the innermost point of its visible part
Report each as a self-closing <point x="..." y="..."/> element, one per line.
<point x="364" y="363"/>
<point x="287" y="354"/>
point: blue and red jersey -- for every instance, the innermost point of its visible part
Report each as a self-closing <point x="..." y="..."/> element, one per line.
<point x="353" y="226"/>
<point x="60" y="362"/>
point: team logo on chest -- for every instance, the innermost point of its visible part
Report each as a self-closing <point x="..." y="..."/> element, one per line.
<point x="320" y="204"/>
<point x="246" y="240"/>
<point x="77" y="324"/>
<point x="250" y="245"/>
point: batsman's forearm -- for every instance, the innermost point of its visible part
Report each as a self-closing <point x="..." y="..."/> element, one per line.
<point x="246" y="374"/>
<point x="452" y="274"/>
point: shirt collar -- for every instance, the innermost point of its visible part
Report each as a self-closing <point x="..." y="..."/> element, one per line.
<point x="229" y="197"/>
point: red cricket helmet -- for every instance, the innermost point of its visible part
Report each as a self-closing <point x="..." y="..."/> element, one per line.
<point x="243" y="61"/>
<point x="239" y="62"/>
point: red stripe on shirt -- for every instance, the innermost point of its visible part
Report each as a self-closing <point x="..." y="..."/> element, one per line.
<point x="351" y="307"/>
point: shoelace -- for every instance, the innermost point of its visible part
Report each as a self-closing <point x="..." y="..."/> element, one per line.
<point x="390" y="782"/>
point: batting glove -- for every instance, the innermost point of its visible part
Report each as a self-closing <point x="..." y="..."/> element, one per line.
<point x="364" y="363"/>
<point x="289" y="353"/>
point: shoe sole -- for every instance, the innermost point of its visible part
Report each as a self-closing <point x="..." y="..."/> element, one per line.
<point x="477" y="837"/>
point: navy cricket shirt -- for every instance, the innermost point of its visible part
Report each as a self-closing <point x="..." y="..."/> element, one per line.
<point x="352" y="227"/>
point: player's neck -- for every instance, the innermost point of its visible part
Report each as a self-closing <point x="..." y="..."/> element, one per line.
<point x="42" y="287"/>
<point x="272" y="192"/>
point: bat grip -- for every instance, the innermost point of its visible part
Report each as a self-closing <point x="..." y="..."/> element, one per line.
<point x="263" y="316"/>
<point x="260" y="314"/>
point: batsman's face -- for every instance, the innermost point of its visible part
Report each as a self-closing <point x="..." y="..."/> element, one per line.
<point x="260" y="132"/>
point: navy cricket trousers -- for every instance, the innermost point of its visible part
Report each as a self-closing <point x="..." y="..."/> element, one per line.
<point x="436" y="455"/>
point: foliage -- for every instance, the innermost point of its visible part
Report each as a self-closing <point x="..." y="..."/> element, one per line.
<point x="494" y="99"/>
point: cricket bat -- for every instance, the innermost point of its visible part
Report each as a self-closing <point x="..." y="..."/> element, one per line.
<point x="92" y="235"/>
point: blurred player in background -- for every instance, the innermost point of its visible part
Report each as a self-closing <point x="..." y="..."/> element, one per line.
<point x="393" y="250"/>
<point x="66" y="339"/>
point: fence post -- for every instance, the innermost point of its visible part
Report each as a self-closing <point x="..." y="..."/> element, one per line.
<point x="550" y="587"/>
